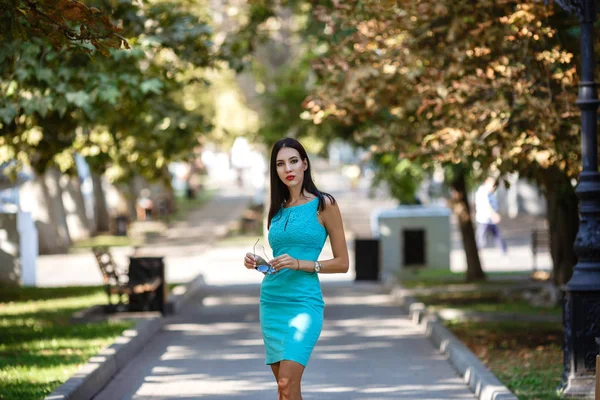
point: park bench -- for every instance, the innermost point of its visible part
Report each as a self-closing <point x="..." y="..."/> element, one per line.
<point x="540" y="240"/>
<point x="142" y="288"/>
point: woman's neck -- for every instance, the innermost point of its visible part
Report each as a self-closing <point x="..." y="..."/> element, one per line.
<point x="296" y="196"/>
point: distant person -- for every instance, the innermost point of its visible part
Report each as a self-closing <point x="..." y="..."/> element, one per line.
<point x="291" y="303"/>
<point x="145" y="203"/>
<point x="487" y="216"/>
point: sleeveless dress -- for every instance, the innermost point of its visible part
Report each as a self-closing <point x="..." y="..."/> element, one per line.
<point x="291" y="302"/>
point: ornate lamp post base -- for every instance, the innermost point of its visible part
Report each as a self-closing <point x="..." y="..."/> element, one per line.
<point x="581" y="319"/>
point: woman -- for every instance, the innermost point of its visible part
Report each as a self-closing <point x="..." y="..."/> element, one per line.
<point x="291" y="303"/>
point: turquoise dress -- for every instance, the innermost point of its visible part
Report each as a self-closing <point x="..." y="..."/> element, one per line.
<point x="291" y="302"/>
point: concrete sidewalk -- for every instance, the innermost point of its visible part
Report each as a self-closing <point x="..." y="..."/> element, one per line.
<point x="368" y="350"/>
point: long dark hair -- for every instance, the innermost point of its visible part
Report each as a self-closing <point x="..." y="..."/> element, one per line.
<point x="279" y="191"/>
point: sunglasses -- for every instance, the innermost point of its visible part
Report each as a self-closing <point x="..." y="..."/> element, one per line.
<point x="262" y="265"/>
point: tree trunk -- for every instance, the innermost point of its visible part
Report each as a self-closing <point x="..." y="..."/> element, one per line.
<point x="126" y="205"/>
<point x="132" y="195"/>
<point x="100" y="208"/>
<point x="462" y="210"/>
<point x="170" y="193"/>
<point x="74" y="205"/>
<point x="44" y="198"/>
<point x="563" y="223"/>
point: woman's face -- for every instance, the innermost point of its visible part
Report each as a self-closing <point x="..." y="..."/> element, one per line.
<point x="290" y="168"/>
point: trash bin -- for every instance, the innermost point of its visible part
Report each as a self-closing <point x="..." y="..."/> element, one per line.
<point x="366" y="259"/>
<point x="121" y="225"/>
<point x="143" y="269"/>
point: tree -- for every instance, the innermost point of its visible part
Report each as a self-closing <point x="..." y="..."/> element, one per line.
<point x="65" y="23"/>
<point x="455" y="83"/>
<point x="125" y="113"/>
<point x="275" y="43"/>
<point x="46" y="94"/>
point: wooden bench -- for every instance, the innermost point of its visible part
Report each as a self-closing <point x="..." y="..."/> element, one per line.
<point x="540" y="240"/>
<point x="116" y="281"/>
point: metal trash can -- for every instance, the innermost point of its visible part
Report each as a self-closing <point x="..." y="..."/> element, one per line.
<point x="366" y="259"/>
<point x="121" y="225"/>
<point x="144" y="269"/>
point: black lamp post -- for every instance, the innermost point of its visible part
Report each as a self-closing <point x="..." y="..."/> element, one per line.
<point x="581" y="315"/>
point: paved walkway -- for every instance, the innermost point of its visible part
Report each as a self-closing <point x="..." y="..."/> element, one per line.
<point x="368" y="350"/>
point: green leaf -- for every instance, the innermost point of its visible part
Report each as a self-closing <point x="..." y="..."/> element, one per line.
<point x="110" y="94"/>
<point x="44" y="75"/>
<point x="79" y="98"/>
<point x="153" y="85"/>
<point x="8" y="113"/>
<point x="61" y="105"/>
<point x="23" y="74"/>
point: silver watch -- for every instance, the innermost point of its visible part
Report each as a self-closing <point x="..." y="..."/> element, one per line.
<point x="317" y="267"/>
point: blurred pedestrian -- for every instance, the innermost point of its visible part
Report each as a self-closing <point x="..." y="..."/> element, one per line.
<point x="291" y="303"/>
<point x="487" y="216"/>
<point x="144" y="202"/>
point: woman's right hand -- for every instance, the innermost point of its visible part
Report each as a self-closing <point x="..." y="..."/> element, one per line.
<point x="249" y="261"/>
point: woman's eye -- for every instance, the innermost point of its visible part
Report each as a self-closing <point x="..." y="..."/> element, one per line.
<point x="294" y="161"/>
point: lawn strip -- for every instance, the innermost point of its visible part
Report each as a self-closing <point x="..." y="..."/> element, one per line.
<point x="425" y="278"/>
<point x="40" y="348"/>
<point x="526" y="357"/>
<point x="484" y="301"/>
<point x="185" y="206"/>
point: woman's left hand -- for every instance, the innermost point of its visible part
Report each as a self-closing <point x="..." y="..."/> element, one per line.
<point x="284" y="261"/>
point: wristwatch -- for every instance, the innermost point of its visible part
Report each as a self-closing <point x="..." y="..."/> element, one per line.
<point x="317" y="267"/>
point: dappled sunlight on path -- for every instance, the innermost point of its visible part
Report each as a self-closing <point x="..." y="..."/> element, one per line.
<point x="368" y="350"/>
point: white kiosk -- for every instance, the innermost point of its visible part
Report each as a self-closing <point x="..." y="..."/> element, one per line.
<point x="412" y="236"/>
<point x="18" y="237"/>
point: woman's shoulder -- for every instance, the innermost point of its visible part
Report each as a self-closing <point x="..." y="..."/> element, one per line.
<point x="328" y="201"/>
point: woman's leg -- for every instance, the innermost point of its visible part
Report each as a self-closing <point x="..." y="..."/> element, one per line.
<point x="275" y="369"/>
<point x="288" y="381"/>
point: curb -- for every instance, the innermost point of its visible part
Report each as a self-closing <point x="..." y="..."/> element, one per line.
<point x="96" y="313"/>
<point x="93" y="376"/>
<point x="482" y="382"/>
<point x="181" y="295"/>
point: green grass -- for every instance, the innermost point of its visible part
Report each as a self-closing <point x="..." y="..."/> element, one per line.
<point x="484" y="301"/>
<point x="428" y="277"/>
<point x="241" y="240"/>
<point x="526" y="357"/>
<point x="185" y="205"/>
<point x="108" y="241"/>
<point x="40" y="348"/>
